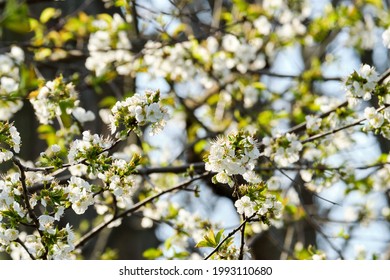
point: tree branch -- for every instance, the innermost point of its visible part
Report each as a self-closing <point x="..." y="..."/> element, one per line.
<point x="233" y="232"/>
<point x="27" y="200"/>
<point x="25" y="248"/>
<point x="241" y="255"/>
<point x="137" y="206"/>
<point x="321" y="135"/>
<point x="302" y="125"/>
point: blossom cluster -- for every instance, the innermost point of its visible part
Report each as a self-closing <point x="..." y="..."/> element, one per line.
<point x="270" y="206"/>
<point x="9" y="82"/>
<point x="90" y="149"/>
<point x="364" y="85"/>
<point x="290" y="23"/>
<point x="6" y="237"/>
<point x="137" y="111"/>
<point x="11" y="209"/>
<point x="283" y="149"/>
<point x="79" y="193"/>
<point x="313" y="123"/>
<point x="363" y="34"/>
<point x="381" y="179"/>
<point x="55" y="98"/>
<point x="109" y="45"/>
<point x="233" y="154"/>
<point x="361" y="85"/>
<point x="61" y="248"/>
<point x="374" y="118"/>
<point x="11" y="138"/>
<point x="120" y="180"/>
<point x="378" y="120"/>
<point x="187" y="227"/>
<point x="59" y="243"/>
<point x="173" y="62"/>
<point x="86" y="156"/>
<point x="256" y="199"/>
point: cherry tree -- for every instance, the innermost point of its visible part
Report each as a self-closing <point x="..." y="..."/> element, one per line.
<point x="215" y="129"/>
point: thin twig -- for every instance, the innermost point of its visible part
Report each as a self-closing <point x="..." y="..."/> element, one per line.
<point x="241" y="255"/>
<point x="300" y="186"/>
<point x="27" y="200"/>
<point x="25" y="248"/>
<point x="302" y="125"/>
<point x="47" y="169"/>
<point x="318" y="229"/>
<point x="267" y="72"/>
<point x="358" y="122"/>
<point x="25" y="192"/>
<point x="233" y="232"/>
<point x="137" y="206"/>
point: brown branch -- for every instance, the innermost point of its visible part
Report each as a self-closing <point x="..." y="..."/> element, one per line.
<point x="47" y="169"/>
<point x="233" y="232"/>
<point x="25" y="192"/>
<point x="267" y="72"/>
<point x="25" y="248"/>
<point x="241" y="255"/>
<point x="321" y="135"/>
<point x="134" y="15"/>
<point x="137" y="206"/>
<point x="197" y="166"/>
<point x="310" y="220"/>
<point x="26" y="199"/>
<point x="302" y="125"/>
<point x="30" y="2"/>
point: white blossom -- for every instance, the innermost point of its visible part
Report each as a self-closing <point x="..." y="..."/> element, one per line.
<point x="79" y="194"/>
<point x="46" y="223"/>
<point x="34" y="245"/>
<point x="80" y="148"/>
<point x="262" y="25"/>
<point x="361" y="89"/>
<point x="375" y="119"/>
<point x="46" y="102"/>
<point x="386" y="38"/>
<point x="82" y="115"/>
<point x="227" y="159"/>
<point x="313" y="123"/>
<point x="245" y="206"/>
<point x="273" y="183"/>
<point x="139" y="110"/>
<point x="55" y="148"/>
<point x="8" y="235"/>
<point x="286" y="154"/>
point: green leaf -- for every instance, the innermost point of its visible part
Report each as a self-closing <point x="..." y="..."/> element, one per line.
<point x="107" y="102"/>
<point x="48" y="133"/>
<point x="242" y="5"/>
<point x="212" y="100"/>
<point x="110" y="254"/>
<point x="259" y="85"/>
<point x="28" y="78"/>
<point x="210" y="237"/>
<point x="152" y="253"/>
<point x="46" y="129"/>
<point x="376" y="3"/>
<point x="210" y="240"/>
<point x="48" y="14"/>
<point x="265" y="117"/>
<point x="105" y="17"/>
<point x="202" y="243"/>
<point x="180" y="255"/>
<point x="200" y="146"/>
<point x="15" y="17"/>
<point x="219" y="236"/>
